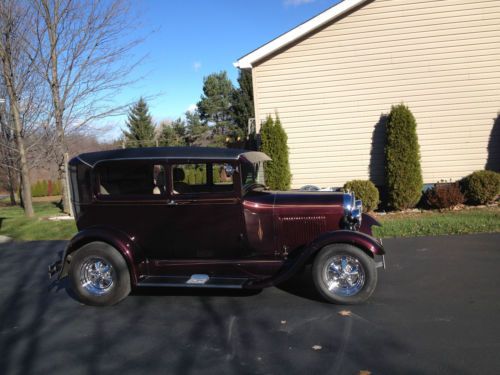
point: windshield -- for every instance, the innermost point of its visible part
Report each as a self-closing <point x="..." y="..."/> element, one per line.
<point x="252" y="174"/>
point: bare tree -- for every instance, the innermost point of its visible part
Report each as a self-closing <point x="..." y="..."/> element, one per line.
<point x="83" y="47"/>
<point x="16" y="70"/>
<point x="7" y="148"/>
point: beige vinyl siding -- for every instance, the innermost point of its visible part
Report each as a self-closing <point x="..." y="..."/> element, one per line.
<point x="441" y="58"/>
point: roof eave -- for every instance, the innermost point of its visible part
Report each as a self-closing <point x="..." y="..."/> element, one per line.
<point x="242" y="65"/>
<point x="247" y="61"/>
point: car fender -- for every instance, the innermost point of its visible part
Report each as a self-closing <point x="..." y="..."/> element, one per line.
<point x="294" y="263"/>
<point x="365" y="242"/>
<point x="125" y="245"/>
<point x="367" y="222"/>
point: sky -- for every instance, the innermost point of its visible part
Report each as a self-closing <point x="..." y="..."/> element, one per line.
<point x="187" y="40"/>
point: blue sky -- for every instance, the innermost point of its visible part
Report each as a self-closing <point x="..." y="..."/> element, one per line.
<point x="189" y="39"/>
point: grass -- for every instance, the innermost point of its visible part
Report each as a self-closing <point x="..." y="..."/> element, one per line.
<point x="14" y="224"/>
<point x="433" y="223"/>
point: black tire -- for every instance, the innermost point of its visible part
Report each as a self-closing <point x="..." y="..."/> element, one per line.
<point x="118" y="273"/>
<point x="364" y="275"/>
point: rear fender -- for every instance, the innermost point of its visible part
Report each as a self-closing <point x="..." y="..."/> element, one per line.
<point x="363" y="241"/>
<point x="119" y="240"/>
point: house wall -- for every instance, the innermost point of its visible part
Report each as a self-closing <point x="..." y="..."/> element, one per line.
<point x="441" y="58"/>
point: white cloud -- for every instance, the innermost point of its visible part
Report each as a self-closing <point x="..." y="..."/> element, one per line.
<point x="196" y="66"/>
<point x="295" y="3"/>
<point x="192" y="108"/>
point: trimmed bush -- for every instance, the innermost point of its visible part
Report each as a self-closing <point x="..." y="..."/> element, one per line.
<point x="274" y="143"/>
<point x="444" y="195"/>
<point x="366" y="191"/>
<point x="37" y="189"/>
<point x="56" y="187"/>
<point x="481" y="187"/>
<point x="200" y="176"/>
<point x="402" y="159"/>
<point x="46" y="188"/>
<point x="49" y="188"/>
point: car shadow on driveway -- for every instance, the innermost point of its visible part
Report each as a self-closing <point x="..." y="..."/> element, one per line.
<point x="302" y="285"/>
<point x="193" y="292"/>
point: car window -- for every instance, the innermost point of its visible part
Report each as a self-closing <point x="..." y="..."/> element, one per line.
<point x="126" y="178"/>
<point x="202" y="178"/>
<point x="252" y="173"/>
<point x="222" y="174"/>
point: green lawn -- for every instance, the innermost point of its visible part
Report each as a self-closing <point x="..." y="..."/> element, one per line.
<point x="14" y="224"/>
<point x="432" y="223"/>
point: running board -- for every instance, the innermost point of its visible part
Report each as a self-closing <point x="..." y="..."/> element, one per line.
<point x="193" y="281"/>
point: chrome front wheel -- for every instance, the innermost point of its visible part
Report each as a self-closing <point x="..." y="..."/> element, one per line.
<point x="344" y="274"/>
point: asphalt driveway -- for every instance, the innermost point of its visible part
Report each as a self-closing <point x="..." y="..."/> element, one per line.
<point x="436" y="311"/>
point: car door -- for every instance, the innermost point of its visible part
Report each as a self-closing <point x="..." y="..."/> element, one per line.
<point x="203" y="217"/>
<point x="130" y="196"/>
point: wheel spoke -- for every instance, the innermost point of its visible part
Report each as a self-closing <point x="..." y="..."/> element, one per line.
<point x="344" y="263"/>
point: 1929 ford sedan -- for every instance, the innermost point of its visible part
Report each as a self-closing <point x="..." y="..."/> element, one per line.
<point x="202" y="217"/>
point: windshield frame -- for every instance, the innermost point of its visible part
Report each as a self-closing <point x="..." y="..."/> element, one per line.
<point x="256" y="169"/>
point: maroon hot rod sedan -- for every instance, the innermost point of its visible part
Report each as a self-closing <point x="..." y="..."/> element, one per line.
<point x="202" y="217"/>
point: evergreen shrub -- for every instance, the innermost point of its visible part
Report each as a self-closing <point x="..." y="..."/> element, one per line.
<point x="366" y="191"/>
<point x="274" y="143"/>
<point x="481" y="187"/>
<point x="402" y="159"/>
<point x="36" y="189"/>
<point x="56" y="187"/>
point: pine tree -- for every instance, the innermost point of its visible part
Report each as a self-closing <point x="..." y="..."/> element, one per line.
<point x="402" y="159"/>
<point x="140" y="129"/>
<point x="195" y="129"/>
<point x="242" y="101"/>
<point x="215" y="106"/>
<point x="274" y="144"/>
<point x="173" y="134"/>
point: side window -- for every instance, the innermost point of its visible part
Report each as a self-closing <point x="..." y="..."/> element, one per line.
<point x="222" y="175"/>
<point x="127" y="178"/>
<point x="190" y="178"/>
<point x="202" y="178"/>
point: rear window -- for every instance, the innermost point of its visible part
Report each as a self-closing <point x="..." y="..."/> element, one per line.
<point x="130" y="179"/>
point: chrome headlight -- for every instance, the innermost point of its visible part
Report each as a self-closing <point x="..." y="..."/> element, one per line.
<point x="352" y="211"/>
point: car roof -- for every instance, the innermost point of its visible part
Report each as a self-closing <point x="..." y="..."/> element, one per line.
<point x="191" y="153"/>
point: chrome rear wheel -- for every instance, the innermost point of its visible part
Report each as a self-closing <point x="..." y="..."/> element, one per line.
<point x="99" y="275"/>
<point x="96" y="276"/>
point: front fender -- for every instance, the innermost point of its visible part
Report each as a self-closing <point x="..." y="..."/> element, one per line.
<point x="119" y="240"/>
<point x="367" y="222"/>
<point x="362" y="240"/>
<point x="365" y="242"/>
